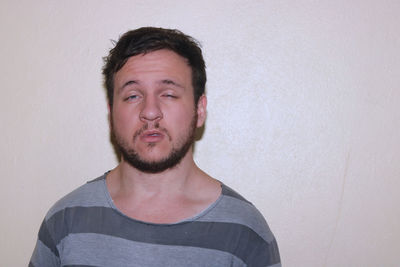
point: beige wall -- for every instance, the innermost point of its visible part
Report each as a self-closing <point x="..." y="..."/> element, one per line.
<point x="303" y="115"/>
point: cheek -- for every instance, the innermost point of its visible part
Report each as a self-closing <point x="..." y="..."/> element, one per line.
<point x="122" y="121"/>
<point x="184" y="119"/>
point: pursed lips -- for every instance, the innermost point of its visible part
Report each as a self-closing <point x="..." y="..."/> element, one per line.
<point x="152" y="136"/>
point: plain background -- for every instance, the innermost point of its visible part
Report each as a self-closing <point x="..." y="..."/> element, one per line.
<point x="303" y="116"/>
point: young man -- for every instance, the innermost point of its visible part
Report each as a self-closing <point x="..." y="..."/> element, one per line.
<point x="156" y="208"/>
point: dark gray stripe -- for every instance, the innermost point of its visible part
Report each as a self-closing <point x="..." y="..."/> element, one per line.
<point x="253" y="250"/>
<point x="227" y="191"/>
<point x="45" y="237"/>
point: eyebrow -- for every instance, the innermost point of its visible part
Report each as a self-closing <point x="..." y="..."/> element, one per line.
<point x="126" y="84"/>
<point x="164" y="81"/>
<point x="171" y="82"/>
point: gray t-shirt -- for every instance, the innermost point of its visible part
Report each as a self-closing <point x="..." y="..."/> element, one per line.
<point x="86" y="229"/>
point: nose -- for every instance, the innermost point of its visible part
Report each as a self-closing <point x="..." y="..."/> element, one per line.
<point x="150" y="110"/>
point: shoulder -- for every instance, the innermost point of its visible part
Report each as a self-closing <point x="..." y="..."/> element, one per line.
<point x="93" y="193"/>
<point x="58" y="224"/>
<point x="240" y="222"/>
<point x="234" y="208"/>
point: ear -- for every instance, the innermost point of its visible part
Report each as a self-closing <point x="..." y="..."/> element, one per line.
<point x="201" y="110"/>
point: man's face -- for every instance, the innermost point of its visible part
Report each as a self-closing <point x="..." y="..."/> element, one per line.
<point x="154" y="117"/>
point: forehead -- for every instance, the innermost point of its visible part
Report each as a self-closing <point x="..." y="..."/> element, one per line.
<point x="156" y="64"/>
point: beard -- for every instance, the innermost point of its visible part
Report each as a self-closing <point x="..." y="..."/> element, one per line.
<point x="172" y="159"/>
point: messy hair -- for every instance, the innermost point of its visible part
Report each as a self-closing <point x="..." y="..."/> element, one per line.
<point x="148" y="39"/>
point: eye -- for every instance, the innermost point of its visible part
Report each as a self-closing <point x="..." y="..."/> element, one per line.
<point x="169" y="96"/>
<point x="131" y="98"/>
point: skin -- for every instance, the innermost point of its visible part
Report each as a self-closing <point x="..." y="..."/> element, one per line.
<point x="153" y="110"/>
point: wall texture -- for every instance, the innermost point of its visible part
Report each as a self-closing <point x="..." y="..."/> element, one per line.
<point x="303" y="115"/>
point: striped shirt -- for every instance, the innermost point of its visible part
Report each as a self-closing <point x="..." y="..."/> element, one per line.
<point x="86" y="229"/>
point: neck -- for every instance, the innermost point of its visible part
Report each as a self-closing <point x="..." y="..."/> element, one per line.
<point x="169" y="196"/>
<point x="129" y="180"/>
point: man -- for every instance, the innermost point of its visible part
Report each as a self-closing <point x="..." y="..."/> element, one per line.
<point x="156" y="208"/>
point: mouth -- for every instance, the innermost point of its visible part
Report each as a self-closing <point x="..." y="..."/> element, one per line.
<point x="152" y="136"/>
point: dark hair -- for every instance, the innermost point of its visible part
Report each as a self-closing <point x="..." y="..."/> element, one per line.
<point x="148" y="39"/>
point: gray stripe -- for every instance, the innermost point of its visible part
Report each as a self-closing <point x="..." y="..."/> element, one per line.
<point x="113" y="251"/>
<point x="88" y="195"/>
<point x="46" y="238"/>
<point x="253" y="248"/>
<point x="227" y="191"/>
<point x="234" y="210"/>
<point x="43" y="257"/>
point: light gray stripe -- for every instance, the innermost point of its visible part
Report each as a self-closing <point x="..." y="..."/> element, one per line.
<point x="234" y="210"/>
<point x="88" y="195"/>
<point x="43" y="257"/>
<point x="102" y="250"/>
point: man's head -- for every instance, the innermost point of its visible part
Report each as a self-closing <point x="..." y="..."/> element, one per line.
<point x="155" y="82"/>
<point x="148" y="39"/>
